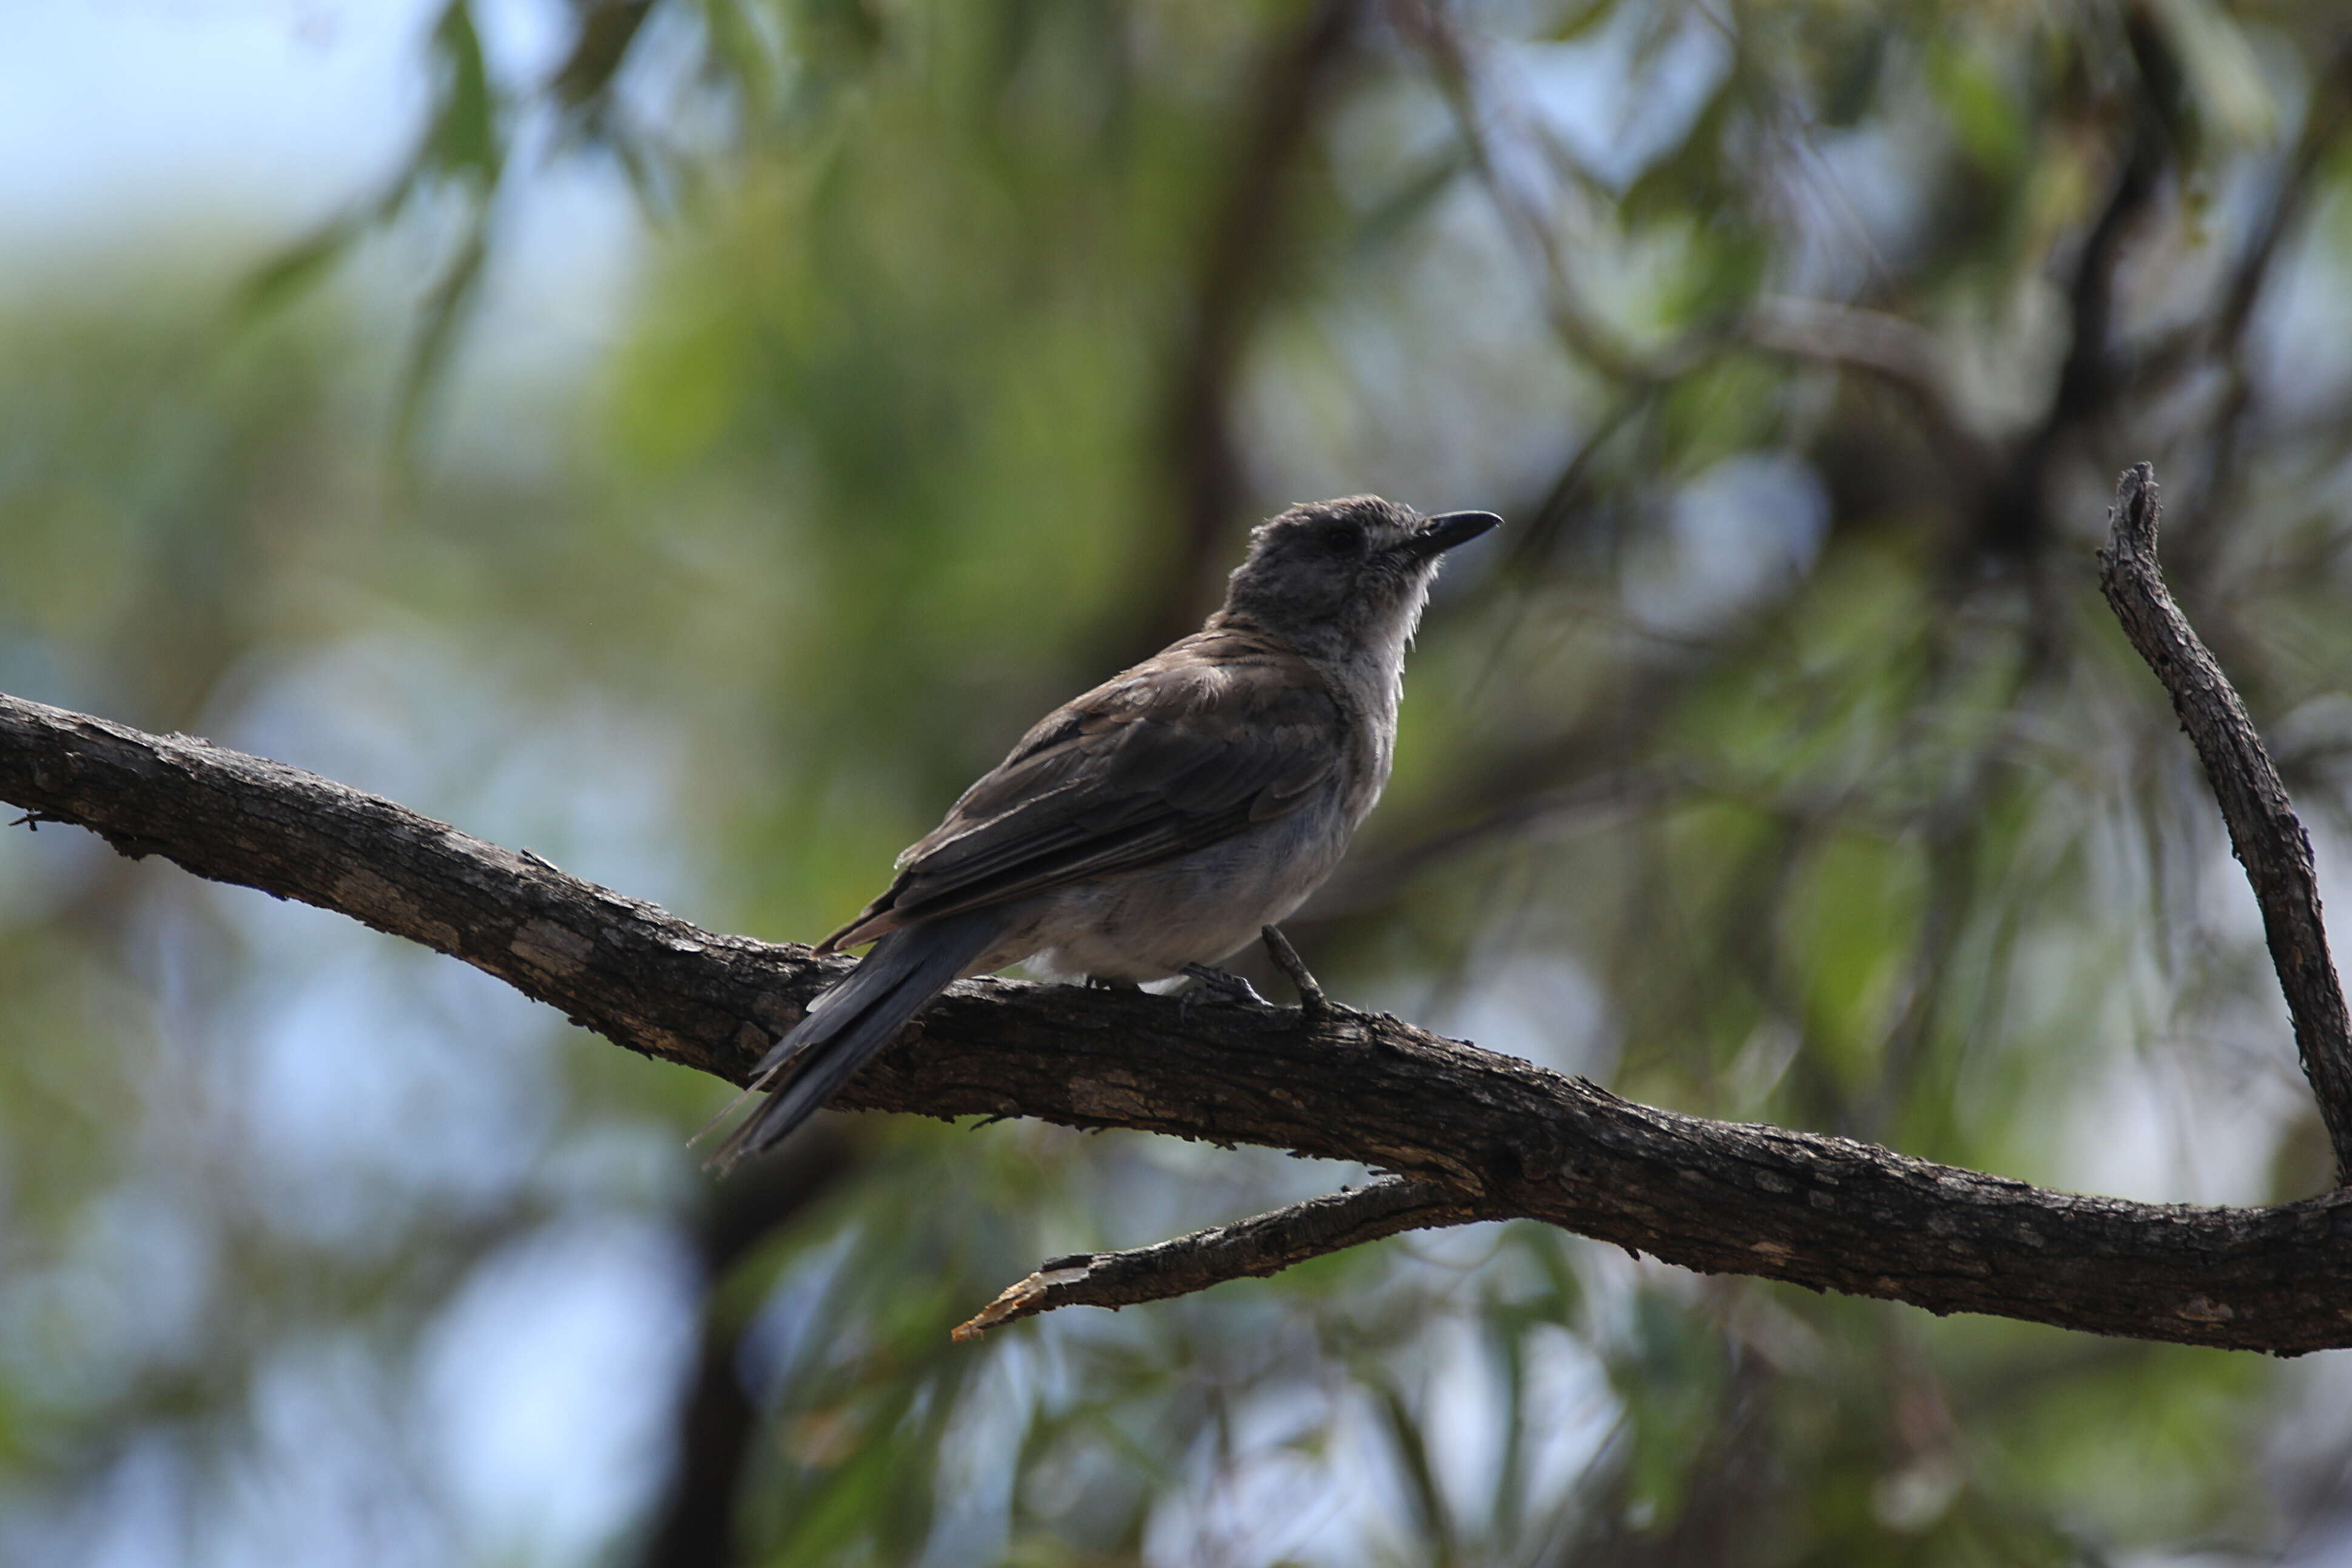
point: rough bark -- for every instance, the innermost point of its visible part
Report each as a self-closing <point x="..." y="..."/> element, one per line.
<point x="2264" y="833"/>
<point x="1508" y="1138"/>
<point x="1264" y="1244"/>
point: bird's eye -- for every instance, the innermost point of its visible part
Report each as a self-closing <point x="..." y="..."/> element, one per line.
<point x="1344" y="541"/>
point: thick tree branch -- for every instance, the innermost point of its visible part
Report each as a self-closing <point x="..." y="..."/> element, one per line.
<point x="1509" y="1138"/>
<point x="1264" y="1244"/>
<point x="2264" y="833"/>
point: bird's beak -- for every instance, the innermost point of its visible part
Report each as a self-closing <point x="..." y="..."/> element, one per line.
<point x="1440" y="534"/>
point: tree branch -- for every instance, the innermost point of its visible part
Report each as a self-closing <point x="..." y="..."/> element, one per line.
<point x="1265" y="1244"/>
<point x="1506" y="1136"/>
<point x="2264" y="833"/>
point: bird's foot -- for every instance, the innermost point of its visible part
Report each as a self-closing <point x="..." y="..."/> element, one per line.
<point x="1225" y="984"/>
<point x="1313" y="1005"/>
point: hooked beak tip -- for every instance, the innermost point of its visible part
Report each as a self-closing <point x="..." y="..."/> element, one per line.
<point x="1442" y="532"/>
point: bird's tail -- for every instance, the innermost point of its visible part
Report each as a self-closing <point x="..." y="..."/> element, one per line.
<point x="845" y="1026"/>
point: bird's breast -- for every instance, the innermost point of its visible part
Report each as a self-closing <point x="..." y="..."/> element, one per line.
<point x="1197" y="908"/>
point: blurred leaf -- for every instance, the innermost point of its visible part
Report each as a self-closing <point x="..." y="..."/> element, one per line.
<point x="1835" y="814"/>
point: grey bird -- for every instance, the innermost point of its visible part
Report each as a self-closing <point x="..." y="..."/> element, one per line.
<point x="1157" y="823"/>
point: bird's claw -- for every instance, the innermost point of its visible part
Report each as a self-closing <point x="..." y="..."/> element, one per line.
<point x="1232" y="987"/>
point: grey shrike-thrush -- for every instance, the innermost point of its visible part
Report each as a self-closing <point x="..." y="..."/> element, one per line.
<point x="1159" y="822"/>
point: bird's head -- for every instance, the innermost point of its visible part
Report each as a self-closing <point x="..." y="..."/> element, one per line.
<point x="1345" y="576"/>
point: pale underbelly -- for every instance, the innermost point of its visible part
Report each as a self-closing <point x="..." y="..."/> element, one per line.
<point x="1196" y="909"/>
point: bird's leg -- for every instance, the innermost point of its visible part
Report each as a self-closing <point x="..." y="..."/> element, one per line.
<point x="1313" y="1005"/>
<point x="1230" y="986"/>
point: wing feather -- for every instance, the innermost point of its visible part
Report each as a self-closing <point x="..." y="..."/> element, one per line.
<point x="1222" y="731"/>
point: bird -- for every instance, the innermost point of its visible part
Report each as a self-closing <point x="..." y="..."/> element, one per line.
<point x="1159" y="823"/>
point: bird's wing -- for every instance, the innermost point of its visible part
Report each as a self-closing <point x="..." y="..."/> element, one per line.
<point x="1220" y="731"/>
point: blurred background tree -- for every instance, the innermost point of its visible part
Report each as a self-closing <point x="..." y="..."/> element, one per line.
<point x="702" y="433"/>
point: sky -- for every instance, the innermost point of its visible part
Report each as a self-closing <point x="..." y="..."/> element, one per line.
<point x="121" y="120"/>
<point x="231" y="128"/>
<point x="206" y="135"/>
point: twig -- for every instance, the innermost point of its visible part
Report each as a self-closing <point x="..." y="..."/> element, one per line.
<point x="1264" y="1244"/>
<point x="2264" y="833"/>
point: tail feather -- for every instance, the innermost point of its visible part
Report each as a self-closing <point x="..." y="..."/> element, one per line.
<point x="847" y="1025"/>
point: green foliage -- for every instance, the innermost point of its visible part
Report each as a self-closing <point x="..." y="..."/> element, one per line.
<point x="1777" y="762"/>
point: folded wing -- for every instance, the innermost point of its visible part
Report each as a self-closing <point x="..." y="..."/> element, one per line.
<point x="1220" y="731"/>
